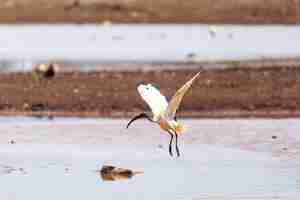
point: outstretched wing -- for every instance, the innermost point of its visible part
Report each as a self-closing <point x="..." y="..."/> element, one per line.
<point x="176" y="99"/>
<point x="155" y="100"/>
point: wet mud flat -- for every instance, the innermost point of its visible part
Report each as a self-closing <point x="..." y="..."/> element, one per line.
<point x="229" y="92"/>
<point x="221" y="159"/>
<point x="153" y="11"/>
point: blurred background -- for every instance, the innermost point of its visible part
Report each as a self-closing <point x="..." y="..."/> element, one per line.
<point x="102" y="49"/>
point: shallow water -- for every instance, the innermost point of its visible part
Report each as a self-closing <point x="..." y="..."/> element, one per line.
<point x="59" y="159"/>
<point x="50" y="178"/>
<point x="87" y="45"/>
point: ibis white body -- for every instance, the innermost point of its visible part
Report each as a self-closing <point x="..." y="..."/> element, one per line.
<point x="163" y="111"/>
<point x="159" y="105"/>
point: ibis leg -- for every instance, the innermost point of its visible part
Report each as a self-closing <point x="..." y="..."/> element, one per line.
<point x="170" y="145"/>
<point x="176" y="141"/>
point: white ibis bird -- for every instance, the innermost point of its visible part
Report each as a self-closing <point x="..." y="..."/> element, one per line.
<point x="164" y="113"/>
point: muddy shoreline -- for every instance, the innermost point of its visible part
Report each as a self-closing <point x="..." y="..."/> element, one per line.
<point x="150" y="11"/>
<point x="218" y="93"/>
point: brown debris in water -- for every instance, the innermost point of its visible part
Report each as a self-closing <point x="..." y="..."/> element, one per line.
<point x="112" y="173"/>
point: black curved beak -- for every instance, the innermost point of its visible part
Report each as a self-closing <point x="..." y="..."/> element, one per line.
<point x="140" y="116"/>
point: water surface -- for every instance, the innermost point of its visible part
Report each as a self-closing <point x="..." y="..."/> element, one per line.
<point x="222" y="159"/>
<point x="91" y="44"/>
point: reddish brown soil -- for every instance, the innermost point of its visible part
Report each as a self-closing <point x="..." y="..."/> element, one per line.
<point x="240" y="92"/>
<point x="153" y="11"/>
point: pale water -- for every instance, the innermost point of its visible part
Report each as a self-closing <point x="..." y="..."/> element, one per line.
<point x="222" y="159"/>
<point x="88" y="45"/>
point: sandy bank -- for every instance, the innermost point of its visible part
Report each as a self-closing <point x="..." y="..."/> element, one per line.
<point x="193" y="11"/>
<point x="230" y="92"/>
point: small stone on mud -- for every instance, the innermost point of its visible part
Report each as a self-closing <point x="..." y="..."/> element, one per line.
<point x="212" y="30"/>
<point x="191" y="55"/>
<point x="73" y="4"/>
<point x="230" y="35"/>
<point x="26" y="106"/>
<point x="208" y="82"/>
<point x="50" y="117"/>
<point x="22" y="170"/>
<point x="134" y="14"/>
<point x="106" y="23"/>
<point x="38" y="107"/>
<point x="9" y="4"/>
<point x="75" y="90"/>
<point x="12" y="142"/>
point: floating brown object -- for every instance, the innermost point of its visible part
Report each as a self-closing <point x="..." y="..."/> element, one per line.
<point x="111" y="173"/>
<point x="45" y="70"/>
